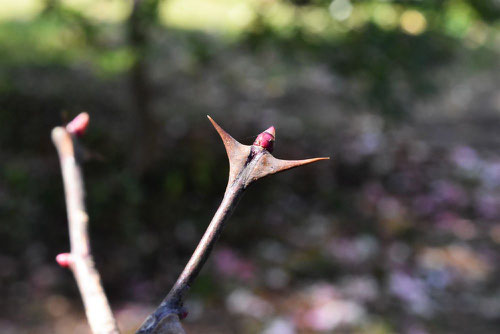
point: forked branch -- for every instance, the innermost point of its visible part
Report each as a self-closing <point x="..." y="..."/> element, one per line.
<point x="80" y="260"/>
<point x="247" y="164"/>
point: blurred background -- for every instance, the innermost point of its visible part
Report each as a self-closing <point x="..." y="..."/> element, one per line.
<point x="398" y="233"/>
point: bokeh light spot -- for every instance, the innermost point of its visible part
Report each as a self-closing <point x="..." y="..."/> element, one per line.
<point x="385" y="16"/>
<point x="340" y="9"/>
<point x="413" y="22"/>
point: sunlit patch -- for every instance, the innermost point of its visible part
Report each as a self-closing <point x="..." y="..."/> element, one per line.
<point x="279" y="14"/>
<point x="359" y="17"/>
<point x="240" y="15"/>
<point x="413" y="22"/>
<point x="19" y="9"/>
<point x="220" y="15"/>
<point x="110" y="11"/>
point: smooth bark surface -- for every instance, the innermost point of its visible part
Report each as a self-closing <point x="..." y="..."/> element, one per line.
<point x="97" y="308"/>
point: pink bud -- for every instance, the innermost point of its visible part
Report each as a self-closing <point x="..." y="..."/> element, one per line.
<point x="64" y="259"/>
<point x="266" y="139"/>
<point x="79" y="124"/>
<point x="183" y="314"/>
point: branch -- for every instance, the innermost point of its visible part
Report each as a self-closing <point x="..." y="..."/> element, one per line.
<point x="247" y="165"/>
<point x="80" y="260"/>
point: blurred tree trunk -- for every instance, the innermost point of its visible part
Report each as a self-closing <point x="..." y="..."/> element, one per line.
<point x="144" y="142"/>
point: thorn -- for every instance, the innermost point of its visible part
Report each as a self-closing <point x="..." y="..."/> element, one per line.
<point x="237" y="153"/>
<point x="64" y="259"/>
<point x="226" y="137"/>
<point x="271" y="165"/>
<point x="79" y="124"/>
<point x="288" y="164"/>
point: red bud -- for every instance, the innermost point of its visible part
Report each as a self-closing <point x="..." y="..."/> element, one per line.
<point x="79" y="124"/>
<point x="183" y="314"/>
<point x="266" y="139"/>
<point x="64" y="259"/>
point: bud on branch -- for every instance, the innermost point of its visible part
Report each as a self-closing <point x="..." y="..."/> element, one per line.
<point x="266" y="139"/>
<point x="247" y="164"/>
<point x="80" y="260"/>
<point x="78" y="125"/>
<point x="64" y="260"/>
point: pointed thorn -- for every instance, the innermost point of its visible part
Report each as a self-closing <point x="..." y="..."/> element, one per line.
<point x="226" y="137"/>
<point x="237" y="153"/>
<point x="288" y="164"/>
<point x="271" y="165"/>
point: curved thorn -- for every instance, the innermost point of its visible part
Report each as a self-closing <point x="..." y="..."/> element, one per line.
<point x="229" y="142"/>
<point x="237" y="153"/>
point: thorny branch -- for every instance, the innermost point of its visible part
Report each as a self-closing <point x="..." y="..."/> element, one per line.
<point x="80" y="260"/>
<point x="247" y="164"/>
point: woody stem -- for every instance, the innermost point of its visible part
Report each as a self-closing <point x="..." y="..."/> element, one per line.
<point x="173" y="302"/>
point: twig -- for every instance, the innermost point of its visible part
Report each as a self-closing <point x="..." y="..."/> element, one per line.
<point x="80" y="260"/>
<point x="247" y="164"/>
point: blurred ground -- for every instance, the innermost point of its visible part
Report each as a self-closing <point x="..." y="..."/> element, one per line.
<point x="398" y="233"/>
